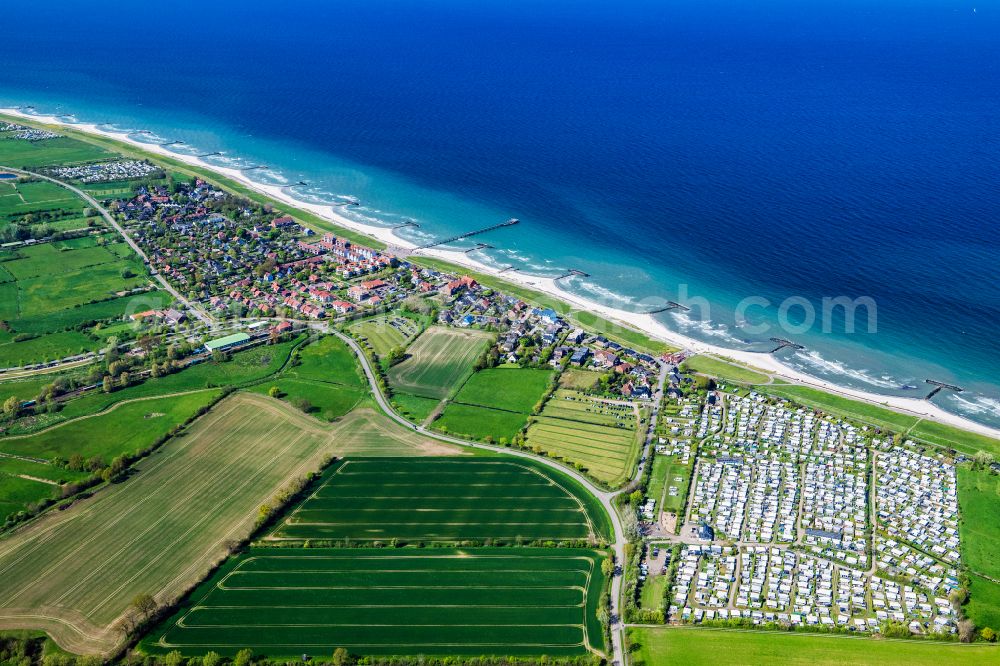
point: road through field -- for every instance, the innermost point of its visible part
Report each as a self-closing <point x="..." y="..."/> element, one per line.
<point x="605" y="497"/>
<point x="198" y="312"/>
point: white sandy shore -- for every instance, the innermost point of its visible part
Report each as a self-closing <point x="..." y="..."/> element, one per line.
<point x="643" y="322"/>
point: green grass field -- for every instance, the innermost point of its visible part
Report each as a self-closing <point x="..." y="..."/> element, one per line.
<point x="325" y="401"/>
<point x="723" y="370"/>
<point x="282" y="603"/>
<point x="59" y="151"/>
<point x="479" y="423"/>
<point x="510" y="389"/>
<point x="326" y="380"/>
<point x="578" y="379"/>
<point x="414" y="407"/>
<point x="596" y="434"/>
<point x="329" y="360"/>
<point x="979" y="502"/>
<point x="128" y="428"/>
<point x="20" y="198"/>
<point x="983" y="607"/>
<point x="385" y="332"/>
<point x="438" y="362"/>
<point x="50" y="347"/>
<point x="652" y="647"/>
<point x="74" y="572"/>
<point x="444" y="499"/>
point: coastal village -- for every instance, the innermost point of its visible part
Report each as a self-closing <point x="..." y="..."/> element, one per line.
<point x="750" y="511"/>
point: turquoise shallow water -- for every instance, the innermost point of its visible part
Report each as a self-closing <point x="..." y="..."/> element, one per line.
<point x="710" y="149"/>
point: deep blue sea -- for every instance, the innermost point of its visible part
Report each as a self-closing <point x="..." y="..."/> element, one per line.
<point x="672" y="150"/>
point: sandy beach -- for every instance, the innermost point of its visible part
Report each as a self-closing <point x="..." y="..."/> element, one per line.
<point x="646" y="323"/>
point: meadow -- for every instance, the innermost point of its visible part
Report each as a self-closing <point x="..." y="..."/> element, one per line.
<point x="385" y="332"/>
<point x="128" y="428"/>
<point x="438" y="362"/>
<point x="479" y="423"/>
<point x="445" y="499"/>
<point x="282" y="603"/>
<point x="58" y="151"/>
<point x="979" y="529"/>
<point x="723" y="370"/>
<point x="159" y="531"/>
<point x="598" y="435"/>
<point x="413" y="407"/>
<point x="713" y="647"/>
<point x="510" y="389"/>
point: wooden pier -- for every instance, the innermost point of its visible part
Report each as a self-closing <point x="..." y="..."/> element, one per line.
<point x="671" y="305"/>
<point x="508" y="268"/>
<point x="452" y="239"/>
<point x="172" y="143"/>
<point x="938" y="386"/>
<point x="215" y="154"/>
<point x="256" y="167"/>
<point x="479" y="246"/>
<point x="399" y="226"/>
<point x="782" y="343"/>
<point x="571" y="272"/>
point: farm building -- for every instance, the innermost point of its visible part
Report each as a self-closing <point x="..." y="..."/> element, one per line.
<point x="228" y="342"/>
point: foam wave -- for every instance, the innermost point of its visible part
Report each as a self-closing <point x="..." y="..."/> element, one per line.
<point x="601" y="292"/>
<point x="687" y="324"/>
<point x="979" y="404"/>
<point x="815" y="360"/>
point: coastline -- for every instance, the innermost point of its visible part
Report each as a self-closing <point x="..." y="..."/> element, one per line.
<point x="643" y="322"/>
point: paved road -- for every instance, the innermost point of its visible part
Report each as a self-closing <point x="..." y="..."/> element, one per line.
<point x="200" y="314"/>
<point x="605" y="497"/>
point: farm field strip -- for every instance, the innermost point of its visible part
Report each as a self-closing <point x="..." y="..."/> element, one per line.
<point x="452" y="499"/>
<point x="438" y="361"/>
<point x="470" y="601"/>
<point x="158" y="531"/>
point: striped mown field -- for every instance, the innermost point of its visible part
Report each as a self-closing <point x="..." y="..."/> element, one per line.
<point x="438" y="362"/>
<point x="499" y="601"/>
<point x="444" y="499"/>
<point x="600" y="435"/>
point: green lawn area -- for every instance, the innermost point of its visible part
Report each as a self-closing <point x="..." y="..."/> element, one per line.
<point x="43" y="259"/>
<point x="325" y="401"/>
<point x="676" y="476"/>
<point x="954" y="438"/>
<point x="17" y="493"/>
<point x="414" y="407"/>
<point x="983" y="607"/>
<point x="979" y="503"/>
<point x="329" y="360"/>
<point x="692" y="647"/>
<point x="510" y="389"/>
<point x="19" y="198"/>
<point x="113" y="308"/>
<point x="579" y="379"/>
<point x="128" y="428"/>
<point x="510" y="601"/>
<point x="651" y="592"/>
<point x="50" y="347"/>
<point x="385" y="332"/>
<point x="845" y="407"/>
<point x="59" y="151"/>
<point x="723" y="370"/>
<point x="479" y="423"/>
